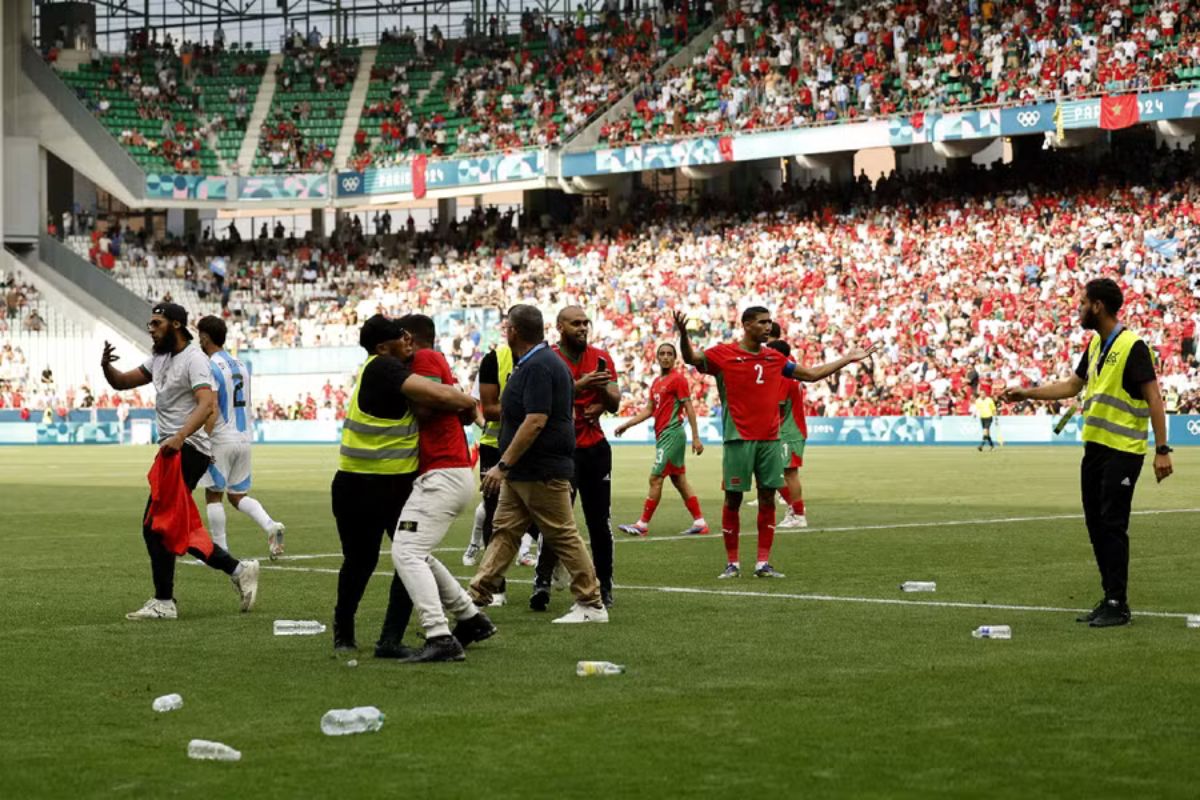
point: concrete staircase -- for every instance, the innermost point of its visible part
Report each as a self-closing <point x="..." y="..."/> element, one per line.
<point x="262" y="104"/>
<point x="354" y="107"/>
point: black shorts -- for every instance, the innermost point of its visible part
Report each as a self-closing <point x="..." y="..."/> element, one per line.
<point x="987" y="423"/>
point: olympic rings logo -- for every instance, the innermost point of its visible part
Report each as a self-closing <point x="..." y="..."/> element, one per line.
<point x="1193" y="427"/>
<point x="1027" y="119"/>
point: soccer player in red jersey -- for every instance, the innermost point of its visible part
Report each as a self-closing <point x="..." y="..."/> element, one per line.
<point x="444" y="487"/>
<point x="596" y="393"/>
<point x="670" y="401"/>
<point x="750" y="380"/>
<point x="793" y="432"/>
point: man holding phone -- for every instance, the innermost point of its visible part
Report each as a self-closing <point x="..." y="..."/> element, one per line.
<point x="596" y="393"/>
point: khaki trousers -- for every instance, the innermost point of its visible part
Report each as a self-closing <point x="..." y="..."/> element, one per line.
<point x="548" y="504"/>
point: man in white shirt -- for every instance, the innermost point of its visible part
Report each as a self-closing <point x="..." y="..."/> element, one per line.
<point x="183" y="382"/>
<point x="231" y="429"/>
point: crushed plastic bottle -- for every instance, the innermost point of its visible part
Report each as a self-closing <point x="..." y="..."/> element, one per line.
<point x="168" y="702"/>
<point x="919" y="586"/>
<point x="352" y="662"/>
<point x="992" y="632"/>
<point x="1193" y="621"/>
<point x="587" y="669"/>
<point x="343" y="721"/>
<point x="298" y="627"/>
<point x="204" y="750"/>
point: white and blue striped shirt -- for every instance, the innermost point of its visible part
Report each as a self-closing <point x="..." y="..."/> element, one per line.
<point x="235" y="424"/>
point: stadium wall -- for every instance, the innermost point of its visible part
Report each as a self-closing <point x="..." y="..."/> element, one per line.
<point x="100" y="427"/>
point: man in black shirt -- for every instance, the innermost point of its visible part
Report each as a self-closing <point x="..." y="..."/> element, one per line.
<point x="533" y="476"/>
<point x="1122" y="400"/>
<point x="376" y="470"/>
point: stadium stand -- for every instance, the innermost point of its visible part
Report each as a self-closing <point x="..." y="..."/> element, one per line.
<point x="969" y="279"/>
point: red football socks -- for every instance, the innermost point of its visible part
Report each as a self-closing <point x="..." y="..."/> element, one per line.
<point x="648" y="510"/>
<point x="693" y="507"/>
<point x="786" y="494"/>
<point x="798" y="507"/>
<point x="730" y="528"/>
<point x="766" y="531"/>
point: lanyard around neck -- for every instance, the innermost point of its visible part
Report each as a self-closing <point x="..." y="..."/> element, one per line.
<point x="1108" y="343"/>
<point x="524" y="358"/>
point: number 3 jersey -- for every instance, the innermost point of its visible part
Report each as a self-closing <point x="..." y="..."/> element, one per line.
<point x="750" y="385"/>
<point x="235" y="419"/>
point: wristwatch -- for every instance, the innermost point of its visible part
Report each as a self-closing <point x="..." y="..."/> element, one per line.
<point x="1163" y="450"/>
<point x="503" y="467"/>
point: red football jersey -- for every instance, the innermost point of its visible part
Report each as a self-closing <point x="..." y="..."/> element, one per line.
<point x="443" y="444"/>
<point x="750" y="385"/>
<point x="587" y="433"/>
<point x="791" y="408"/>
<point x="669" y="393"/>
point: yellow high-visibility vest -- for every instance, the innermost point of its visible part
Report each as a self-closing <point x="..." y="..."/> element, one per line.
<point x="504" y="360"/>
<point x="1111" y="416"/>
<point x="376" y="445"/>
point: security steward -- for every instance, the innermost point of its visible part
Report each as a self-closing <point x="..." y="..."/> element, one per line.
<point x="1121" y="400"/>
<point x="377" y="466"/>
<point x="494" y="371"/>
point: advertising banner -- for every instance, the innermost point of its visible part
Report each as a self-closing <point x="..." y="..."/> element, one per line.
<point x="284" y="187"/>
<point x="500" y="168"/>
<point x="186" y="187"/>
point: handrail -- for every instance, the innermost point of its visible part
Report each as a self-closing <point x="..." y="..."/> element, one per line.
<point x="111" y="295"/>
<point x="83" y="121"/>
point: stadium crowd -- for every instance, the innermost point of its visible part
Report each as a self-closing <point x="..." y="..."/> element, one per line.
<point x="792" y="64"/>
<point x="969" y="280"/>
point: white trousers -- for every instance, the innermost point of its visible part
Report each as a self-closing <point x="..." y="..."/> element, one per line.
<point x="437" y="498"/>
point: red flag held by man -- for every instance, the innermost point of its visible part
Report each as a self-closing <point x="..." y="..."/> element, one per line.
<point x="1119" y="111"/>
<point x="418" y="176"/>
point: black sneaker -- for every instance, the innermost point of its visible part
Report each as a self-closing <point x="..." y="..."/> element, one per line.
<point x="1091" y="615"/>
<point x="393" y="648"/>
<point x="437" y="649"/>
<point x="343" y="637"/>
<point x="606" y="597"/>
<point x="474" y="629"/>
<point x="1111" y="614"/>
<point x="540" y="599"/>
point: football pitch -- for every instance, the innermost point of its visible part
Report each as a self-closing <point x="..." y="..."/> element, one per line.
<point x="829" y="683"/>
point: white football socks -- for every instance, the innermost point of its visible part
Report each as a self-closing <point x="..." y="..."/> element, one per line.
<point x="216" y="523"/>
<point x="253" y="509"/>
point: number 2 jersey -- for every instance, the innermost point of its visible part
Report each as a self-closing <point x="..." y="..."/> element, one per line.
<point x="751" y="385"/>
<point x="235" y="419"/>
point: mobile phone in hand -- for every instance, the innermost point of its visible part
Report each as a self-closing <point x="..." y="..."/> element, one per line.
<point x="602" y="365"/>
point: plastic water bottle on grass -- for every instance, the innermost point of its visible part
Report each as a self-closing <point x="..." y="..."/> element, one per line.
<point x="919" y="586"/>
<point x="588" y="669"/>
<point x="343" y="721"/>
<point x="204" y="750"/>
<point x="298" y="627"/>
<point x="992" y="632"/>
<point x="168" y="702"/>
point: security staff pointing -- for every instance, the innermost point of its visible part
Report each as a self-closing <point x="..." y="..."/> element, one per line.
<point x="1121" y="400"/>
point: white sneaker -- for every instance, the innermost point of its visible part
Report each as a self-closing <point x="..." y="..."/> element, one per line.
<point x="471" y="555"/>
<point x="560" y="579"/>
<point x="580" y="613"/>
<point x="498" y="599"/>
<point x="155" y="609"/>
<point x="791" y="522"/>
<point x="275" y="540"/>
<point x="526" y="559"/>
<point x="247" y="584"/>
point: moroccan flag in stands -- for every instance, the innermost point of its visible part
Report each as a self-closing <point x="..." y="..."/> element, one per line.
<point x="418" y="176"/>
<point x="1119" y="111"/>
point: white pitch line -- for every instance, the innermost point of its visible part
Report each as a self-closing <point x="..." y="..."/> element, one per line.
<point x="812" y="598"/>
<point x="845" y="529"/>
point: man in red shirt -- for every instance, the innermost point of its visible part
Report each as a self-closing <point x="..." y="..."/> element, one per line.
<point x="750" y="380"/>
<point x="596" y="393"/>
<point x="670" y="400"/>
<point x="444" y="487"/>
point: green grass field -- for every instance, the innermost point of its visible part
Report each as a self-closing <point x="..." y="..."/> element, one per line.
<point x="802" y="687"/>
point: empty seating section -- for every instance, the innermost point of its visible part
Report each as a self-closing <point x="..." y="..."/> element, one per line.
<point x="312" y="87"/>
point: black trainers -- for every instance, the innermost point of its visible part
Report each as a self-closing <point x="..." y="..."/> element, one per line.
<point x="606" y="597"/>
<point x="540" y="599"/>
<point x="343" y="637"/>
<point x="393" y="648"/>
<point x="436" y="649"/>
<point x="1111" y="614"/>
<point x="1091" y="615"/>
<point x="473" y="629"/>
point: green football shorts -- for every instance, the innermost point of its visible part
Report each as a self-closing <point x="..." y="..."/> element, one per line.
<point x="761" y="460"/>
<point x="669" y="452"/>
